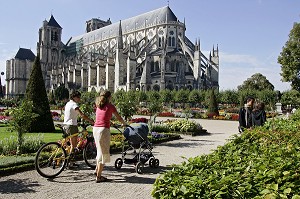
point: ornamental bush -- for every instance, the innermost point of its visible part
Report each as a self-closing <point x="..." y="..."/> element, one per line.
<point x="36" y="93"/>
<point x="261" y="163"/>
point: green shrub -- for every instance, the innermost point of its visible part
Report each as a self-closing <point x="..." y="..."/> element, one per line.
<point x="261" y="163"/>
<point x="160" y="128"/>
<point x="30" y="144"/>
<point x="184" y="126"/>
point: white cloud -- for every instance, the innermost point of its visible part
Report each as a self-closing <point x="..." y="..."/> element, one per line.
<point x="236" y="68"/>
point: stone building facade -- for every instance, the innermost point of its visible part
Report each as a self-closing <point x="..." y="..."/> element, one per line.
<point x="146" y="52"/>
<point x="18" y="71"/>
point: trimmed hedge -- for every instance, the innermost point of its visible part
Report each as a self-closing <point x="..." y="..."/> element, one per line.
<point x="261" y="163"/>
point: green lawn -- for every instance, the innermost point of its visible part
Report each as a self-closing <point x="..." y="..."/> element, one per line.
<point x="48" y="137"/>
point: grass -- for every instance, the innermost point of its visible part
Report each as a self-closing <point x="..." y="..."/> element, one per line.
<point x="48" y="137"/>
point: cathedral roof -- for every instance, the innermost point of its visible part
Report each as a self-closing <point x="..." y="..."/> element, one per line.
<point x="52" y="22"/>
<point x="24" y="54"/>
<point x="158" y="16"/>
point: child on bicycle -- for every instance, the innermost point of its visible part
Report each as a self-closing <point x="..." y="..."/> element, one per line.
<point x="72" y="111"/>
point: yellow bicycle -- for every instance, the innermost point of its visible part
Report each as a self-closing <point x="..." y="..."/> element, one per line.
<point x="52" y="158"/>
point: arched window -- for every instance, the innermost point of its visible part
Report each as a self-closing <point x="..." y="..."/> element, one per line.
<point x="172" y="66"/>
<point x="177" y="66"/>
<point x="169" y="41"/>
<point x="152" y="66"/>
<point x="173" y="41"/>
<point x="156" y="66"/>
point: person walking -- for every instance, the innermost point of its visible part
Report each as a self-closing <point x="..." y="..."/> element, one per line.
<point x="258" y="115"/>
<point x="101" y="131"/>
<point x="72" y="111"/>
<point x="245" y="113"/>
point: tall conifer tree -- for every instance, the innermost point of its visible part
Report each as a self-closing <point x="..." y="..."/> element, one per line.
<point x="213" y="104"/>
<point x="36" y="92"/>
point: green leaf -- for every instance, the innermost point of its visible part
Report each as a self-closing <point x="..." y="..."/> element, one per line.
<point x="183" y="189"/>
<point x="286" y="173"/>
<point x="288" y="190"/>
<point x="274" y="187"/>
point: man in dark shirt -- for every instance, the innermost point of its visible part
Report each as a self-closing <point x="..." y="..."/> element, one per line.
<point x="245" y="113"/>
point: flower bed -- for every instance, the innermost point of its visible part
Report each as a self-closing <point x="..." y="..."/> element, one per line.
<point x="139" y="120"/>
<point x="166" y="114"/>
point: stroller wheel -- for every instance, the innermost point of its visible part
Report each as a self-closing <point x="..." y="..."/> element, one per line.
<point x="118" y="163"/>
<point x="156" y="163"/>
<point x="151" y="162"/>
<point x="139" y="167"/>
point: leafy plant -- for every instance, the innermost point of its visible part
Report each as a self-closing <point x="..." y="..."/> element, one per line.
<point x="22" y="119"/>
<point x="261" y="163"/>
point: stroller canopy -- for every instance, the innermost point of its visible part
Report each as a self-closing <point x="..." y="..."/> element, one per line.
<point x="136" y="133"/>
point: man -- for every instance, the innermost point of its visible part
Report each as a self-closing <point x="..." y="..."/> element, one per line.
<point x="245" y="113"/>
<point x="72" y="111"/>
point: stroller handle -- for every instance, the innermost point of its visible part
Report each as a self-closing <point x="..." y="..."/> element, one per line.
<point x="118" y="126"/>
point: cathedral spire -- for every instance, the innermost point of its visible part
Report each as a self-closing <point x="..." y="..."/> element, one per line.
<point x="120" y="37"/>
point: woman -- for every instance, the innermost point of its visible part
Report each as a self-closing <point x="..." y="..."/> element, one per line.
<point x="258" y="115"/>
<point x="101" y="130"/>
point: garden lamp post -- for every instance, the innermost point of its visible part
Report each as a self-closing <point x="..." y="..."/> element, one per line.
<point x="1" y="89"/>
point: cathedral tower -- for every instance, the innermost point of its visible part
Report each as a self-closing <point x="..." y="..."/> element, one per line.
<point x="50" y="48"/>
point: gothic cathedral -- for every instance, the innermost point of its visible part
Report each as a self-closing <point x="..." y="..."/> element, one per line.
<point x="146" y="52"/>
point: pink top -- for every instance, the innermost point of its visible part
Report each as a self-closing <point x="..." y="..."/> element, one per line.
<point x="104" y="115"/>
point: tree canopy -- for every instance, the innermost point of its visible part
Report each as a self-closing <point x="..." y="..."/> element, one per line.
<point x="61" y="93"/>
<point x="256" y="82"/>
<point x="289" y="58"/>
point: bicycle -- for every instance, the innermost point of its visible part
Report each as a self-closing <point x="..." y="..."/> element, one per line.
<point x="53" y="157"/>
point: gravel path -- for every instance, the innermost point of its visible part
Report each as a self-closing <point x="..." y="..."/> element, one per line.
<point x="124" y="183"/>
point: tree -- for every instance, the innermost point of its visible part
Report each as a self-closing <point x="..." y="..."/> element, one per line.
<point x="256" y="82"/>
<point x="243" y="94"/>
<point x="155" y="105"/>
<point x="268" y="97"/>
<point x="166" y="96"/>
<point x="229" y="97"/>
<point x="22" y="118"/>
<point x="182" y="96"/>
<point x="61" y="93"/>
<point x="126" y="103"/>
<point x="51" y="98"/>
<point x="213" y="104"/>
<point x="194" y="97"/>
<point x="289" y="58"/>
<point x="291" y="97"/>
<point x="36" y="93"/>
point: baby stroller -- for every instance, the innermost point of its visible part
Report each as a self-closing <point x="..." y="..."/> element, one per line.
<point x="139" y="146"/>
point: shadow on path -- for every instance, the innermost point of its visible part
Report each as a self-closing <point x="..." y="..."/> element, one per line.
<point x="17" y="186"/>
<point x="74" y="176"/>
<point x="188" y="143"/>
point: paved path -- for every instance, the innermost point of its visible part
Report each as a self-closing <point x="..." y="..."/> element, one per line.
<point x="125" y="183"/>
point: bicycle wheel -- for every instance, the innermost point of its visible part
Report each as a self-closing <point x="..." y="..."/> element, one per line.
<point x="90" y="153"/>
<point x="50" y="160"/>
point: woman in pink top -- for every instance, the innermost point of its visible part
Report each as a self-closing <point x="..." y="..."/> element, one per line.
<point x="101" y="131"/>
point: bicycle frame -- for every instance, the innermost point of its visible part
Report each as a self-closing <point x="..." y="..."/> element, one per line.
<point x="58" y="154"/>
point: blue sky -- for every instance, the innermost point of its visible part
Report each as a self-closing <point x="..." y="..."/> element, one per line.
<point x="250" y="33"/>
